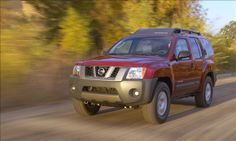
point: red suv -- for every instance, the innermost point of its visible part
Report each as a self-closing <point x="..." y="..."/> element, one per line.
<point x="146" y="70"/>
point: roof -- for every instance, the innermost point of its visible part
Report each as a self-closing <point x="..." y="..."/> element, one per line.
<point x="165" y="31"/>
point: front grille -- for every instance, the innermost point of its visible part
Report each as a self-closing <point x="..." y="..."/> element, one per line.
<point x="101" y="90"/>
<point x="101" y="72"/>
<point x="115" y="72"/>
<point x="89" y="71"/>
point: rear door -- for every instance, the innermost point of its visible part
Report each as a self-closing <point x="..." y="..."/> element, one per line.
<point x="196" y="70"/>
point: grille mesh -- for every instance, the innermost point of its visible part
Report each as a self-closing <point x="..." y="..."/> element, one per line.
<point x="115" y="72"/>
<point x="91" y="71"/>
<point x="101" y="90"/>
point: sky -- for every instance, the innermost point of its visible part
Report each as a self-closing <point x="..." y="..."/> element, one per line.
<point x="219" y="13"/>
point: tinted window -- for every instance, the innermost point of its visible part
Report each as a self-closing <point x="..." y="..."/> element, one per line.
<point x="152" y="46"/>
<point x="122" y="47"/>
<point x="207" y="46"/>
<point x="181" y="45"/>
<point x="143" y="46"/>
<point x="198" y="43"/>
<point x="196" y="51"/>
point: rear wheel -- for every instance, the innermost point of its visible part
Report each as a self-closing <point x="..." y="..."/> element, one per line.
<point x="204" y="98"/>
<point x="85" y="109"/>
<point x="158" y="110"/>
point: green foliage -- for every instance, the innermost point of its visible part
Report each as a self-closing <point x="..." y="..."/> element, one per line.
<point x="224" y="45"/>
<point x="221" y="56"/>
<point x="106" y="24"/>
<point x="111" y="20"/>
<point x="53" y="12"/>
<point x="137" y="14"/>
<point x="229" y="32"/>
<point x="178" y="13"/>
<point x="18" y="46"/>
<point x="75" y="33"/>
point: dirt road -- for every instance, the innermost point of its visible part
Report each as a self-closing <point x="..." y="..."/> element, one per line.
<point x="59" y="122"/>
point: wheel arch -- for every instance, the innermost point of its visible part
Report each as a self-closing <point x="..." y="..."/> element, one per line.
<point x="164" y="79"/>
<point x="165" y="75"/>
<point x="208" y="70"/>
<point x="168" y="81"/>
<point x="212" y="75"/>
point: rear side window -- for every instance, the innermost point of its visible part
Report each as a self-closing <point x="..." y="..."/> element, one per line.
<point x="181" y="45"/>
<point x="207" y="46"/>
<point x="196" y="51"/>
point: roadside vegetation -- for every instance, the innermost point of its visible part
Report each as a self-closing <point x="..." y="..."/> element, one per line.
<point x="41" y="39"/>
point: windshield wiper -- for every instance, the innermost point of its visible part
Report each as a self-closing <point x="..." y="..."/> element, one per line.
<point x="118" y="54"/>
<point x="146" y="54"/>
<point x="112" y="53"/>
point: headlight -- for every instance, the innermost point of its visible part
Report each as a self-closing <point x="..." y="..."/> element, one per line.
<point x="76" y="70"/>
<point x="136" y="73"/>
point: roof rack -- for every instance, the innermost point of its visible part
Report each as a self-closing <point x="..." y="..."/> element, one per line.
<point x="185" y="31"/>
<point x="164" y="31"/>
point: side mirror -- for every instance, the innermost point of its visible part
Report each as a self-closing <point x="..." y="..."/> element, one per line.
<point x="105" y="52"/>
<point x="183" y="55"/>
<point x="204" y="52"/>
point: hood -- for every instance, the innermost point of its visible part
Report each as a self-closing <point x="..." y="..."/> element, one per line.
<point x="123" y="60"/>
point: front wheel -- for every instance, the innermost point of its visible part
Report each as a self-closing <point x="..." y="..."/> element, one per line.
<point x="158" y="110"/>
<point x="204" y="98"/>
<point x="85" y="109"/>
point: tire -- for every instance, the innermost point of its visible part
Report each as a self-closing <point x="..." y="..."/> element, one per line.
<point x="205" y="97"/>
<point x="150" y="111"/>
<point x="85" y="109"/>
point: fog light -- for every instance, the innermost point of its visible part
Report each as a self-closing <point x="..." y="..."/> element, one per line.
<point x="73" y="88"/>
<point x="134" y="92"/>
<point x="90" y="88"/>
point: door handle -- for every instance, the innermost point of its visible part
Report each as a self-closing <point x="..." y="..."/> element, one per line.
<point x="193" y="66"/>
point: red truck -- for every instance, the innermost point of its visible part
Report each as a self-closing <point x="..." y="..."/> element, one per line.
<point x="147" y="70"/>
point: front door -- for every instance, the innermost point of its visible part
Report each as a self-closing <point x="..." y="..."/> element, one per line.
<point x="182" y="69"/>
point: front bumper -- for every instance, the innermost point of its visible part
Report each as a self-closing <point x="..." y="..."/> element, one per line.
<point x="123" y="97"/>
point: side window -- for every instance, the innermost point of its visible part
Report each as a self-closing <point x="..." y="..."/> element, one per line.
<point x="196" y="51"/>
<point x="199" y="45"/>
<point x="181" y="45"/>
<point x="207" y="46"/>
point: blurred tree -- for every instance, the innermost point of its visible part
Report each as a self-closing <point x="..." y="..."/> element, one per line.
<point x="229" y="32"/>
<point x="111" y="20"/>
<point x="75" y="33"/>
<point x="221" y="55"/>
<point x="52" y="12"/>
<point x="224" y="45"/>
<point x="179" y="13"/>
<point x="137" y="14"/>
<point x="106" y="24"/>
<point x="164" y="12"/>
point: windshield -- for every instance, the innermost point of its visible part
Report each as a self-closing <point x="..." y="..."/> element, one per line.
<point x="142" y="46"/>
